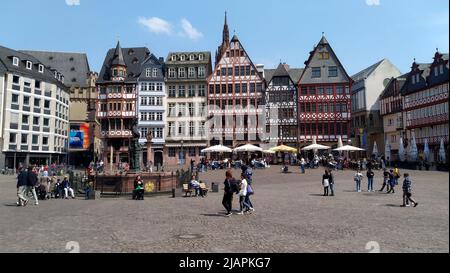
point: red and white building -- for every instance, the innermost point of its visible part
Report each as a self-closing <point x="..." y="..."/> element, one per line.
<point x="324" y="98"/>
<point x="235" y="96"/>
<point x="425" y="103"/>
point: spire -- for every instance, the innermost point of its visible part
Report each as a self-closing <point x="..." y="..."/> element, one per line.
<point x="118" y="56"/>
<point x="226" y="32"/>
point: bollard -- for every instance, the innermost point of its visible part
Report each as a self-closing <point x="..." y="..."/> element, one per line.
<point x="173" y="193"/>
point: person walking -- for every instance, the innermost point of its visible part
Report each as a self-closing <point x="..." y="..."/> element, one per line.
<point x="370" y="175"/>
<point x="325" y="182"/>
<point x="385" y="180"/>
<point x="22" y="181"/>
<point x="302" y="164"/>
<point x="244" y="207"/>
<point x="32" y="180"/>
<point x="227" y="200"/>
<point x="407" y="187"/>
<point x="392" y="182"/>
<point x="330" y="173"/>
<point x="396" y="175"/>
<point x="358" y="179"/>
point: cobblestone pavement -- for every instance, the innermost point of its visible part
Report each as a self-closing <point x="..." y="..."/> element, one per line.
<point x="291" y="216"/>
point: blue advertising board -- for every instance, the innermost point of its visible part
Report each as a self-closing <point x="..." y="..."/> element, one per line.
<point x="76" y="139"/>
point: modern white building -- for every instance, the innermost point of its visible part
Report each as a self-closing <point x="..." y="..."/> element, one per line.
<point x="152" y="108"/>
<point x="34" y="111"/>
<point x="367" y="87"/>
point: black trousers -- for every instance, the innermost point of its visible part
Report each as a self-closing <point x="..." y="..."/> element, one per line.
<point x="325" y="191"/>
<point x="227" y="202"/>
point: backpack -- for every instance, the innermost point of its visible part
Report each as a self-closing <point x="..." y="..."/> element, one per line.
<point x="235" y="186"/>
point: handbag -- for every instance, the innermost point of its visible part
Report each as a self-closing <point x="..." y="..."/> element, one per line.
<point x="250" y="190"/>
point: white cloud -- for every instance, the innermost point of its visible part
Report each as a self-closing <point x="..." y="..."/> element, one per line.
<point x="189" y="30"/>
<point x="156" y="25"/>
<point x="73" y="2"/>
<point x="373" y="2"/>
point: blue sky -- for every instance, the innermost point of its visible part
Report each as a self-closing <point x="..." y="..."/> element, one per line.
<point x="361" y="32"/>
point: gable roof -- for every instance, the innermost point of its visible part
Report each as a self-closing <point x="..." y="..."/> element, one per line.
<point x="389" y="89"/>
<point x="132" y="57"/>
<point x="74" y="66"/>
<point x="323" y="43"/>
<point x="294" y="74"/>
<point x="6" y="55"/>
<point x="363" y="74"/>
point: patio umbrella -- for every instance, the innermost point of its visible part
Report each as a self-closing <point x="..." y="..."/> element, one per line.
<point x="348" y="148"/>
<point x="248" y="148"/>
<point x="442" y="151"/>
<point x="268" y="152"/>
<point x="316" y="147"/>
<point x="284" y="148"/>
<point x="413" y="149"/>
<point x="387" y="149"/>
<point x="375" y="148"/>
<point x="426" y="150"/>
<point x="401" y="150"/>
<point x="217" y="149"/>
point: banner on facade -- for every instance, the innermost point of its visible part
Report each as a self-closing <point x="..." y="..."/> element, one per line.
<point x="79" y="136"/>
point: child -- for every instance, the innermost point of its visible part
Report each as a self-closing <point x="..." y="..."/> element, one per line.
<point x="407" y="192"/>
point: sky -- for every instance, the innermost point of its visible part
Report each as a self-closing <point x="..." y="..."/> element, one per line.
<point x="361" y="32"/>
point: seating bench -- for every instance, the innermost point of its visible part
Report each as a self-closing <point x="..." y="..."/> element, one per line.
<point x="187" y="190"/>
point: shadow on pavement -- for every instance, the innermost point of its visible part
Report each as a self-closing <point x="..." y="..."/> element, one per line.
<point x="316" y="194"/>
<point x="214" y="215"/>
<point x="393" y="205"/>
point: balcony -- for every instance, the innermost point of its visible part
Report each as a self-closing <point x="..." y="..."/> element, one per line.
<point x="428" y="121"/>
<point x="117" y="114"/>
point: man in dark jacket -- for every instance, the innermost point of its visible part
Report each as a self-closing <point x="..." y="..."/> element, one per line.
<point x="227" y="201"/>
<point x="32" y="180"/>
<point x="370" y="174"/>
<point x="22" y="180"/>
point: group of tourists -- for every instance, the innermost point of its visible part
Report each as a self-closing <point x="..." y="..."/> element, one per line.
<point x="243" y="188"/>
<point x="41" y="188"/>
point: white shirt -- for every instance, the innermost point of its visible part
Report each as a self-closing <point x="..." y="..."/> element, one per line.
<point x="244" y="185"/>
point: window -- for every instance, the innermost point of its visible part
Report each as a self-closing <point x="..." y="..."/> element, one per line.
<point x="47" y="104"/>
<point x="151" y="86"/>
<point x="191" y="57"/>
<point x="316" y="72"/>
<point x="181" y="72"/>
<point x="172" y="91"/>
<point x="191" y="90"/>
<point x="329" y="90"/>
<point x="16" y="79"/>
<point x="29" y="65"/>
<point x="181" y="91"/>
<point x="41" y="68"/>
<point x="252" y="87"/>
<point x="441" y="69"/>
<point x="237" y="88"/>
<point x="171" y="127"/>
<point x="332" y="71"/>
<point x="244" y="88"/>
<point x="148" y="72"/>
<point x="155" y="72"/>
<point x="15" y="61"/>
<point x="35" y="139"/>
<point x="159" y="86"/>
<point x="191" y="129"/>
<point x="15" y="98"/>
<point x="144" y="132"/>
<point x="182" y="58"/>
<point x="173" y="58"/>
<point x="45" y="140"/>
<point x="26" y="100"/>
<point x="224" y="71"/>
<point x="46" y="122"/>
<point x="182" y="109"/>
<point x="35" y="120"/>
<point x="172" y="152"/>
<point x="201" y="90"/>
<point x="181" y="128"/>
<point x="200" y="57"/>
<point x="24" y="139"/>
<point x="191" y="109"/>
<point x="12" y="138"/>
<point x="201" y="72"/>
<point x="171" y="72"/>
<point x="37" y="102"/>
<point x="202" y="128"/>
<point x="436" y="71"/>
<point x="191" y="72"/>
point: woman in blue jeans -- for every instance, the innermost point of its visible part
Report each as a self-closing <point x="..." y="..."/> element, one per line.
<point x="358" y="178"/>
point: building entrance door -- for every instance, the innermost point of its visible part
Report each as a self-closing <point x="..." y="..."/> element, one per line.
<point x="158" y="158"/>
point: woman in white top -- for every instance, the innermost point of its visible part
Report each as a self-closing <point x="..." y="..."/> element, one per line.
<point x="358" y="178"/>
<point x="243" y="194"/>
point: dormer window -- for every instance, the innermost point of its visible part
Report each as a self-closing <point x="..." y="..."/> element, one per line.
<point x="174" y="58"/>
<point x="41" y="68"/>
<point x="29" y="65"/>
<point x="131" y="52"/>
<point x="15" y="61"/>
<point x="182" y="58"/>
<point x="191" y="57"/>
<point x="135" y="61"/>
<point x="148" y="72"/>
<point x="441" y="69"/>
<point x="155" y="73"/>
<point x="200" y="57"/>
<point x="62" y="79"/>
